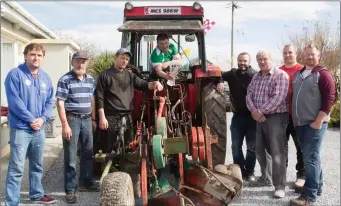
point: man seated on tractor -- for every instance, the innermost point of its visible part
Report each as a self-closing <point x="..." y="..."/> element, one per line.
<point x="163" y="56"/>
<point x="114" y="100"/>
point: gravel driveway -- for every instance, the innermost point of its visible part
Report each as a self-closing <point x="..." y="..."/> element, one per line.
<point x="53" y="181"/>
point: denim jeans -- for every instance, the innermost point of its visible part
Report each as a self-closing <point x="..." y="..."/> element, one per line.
<point x="311" y="144"/>
<point x="244" y="126"/>
<point x="24" y="144"/>
<point x="81" y="130"/>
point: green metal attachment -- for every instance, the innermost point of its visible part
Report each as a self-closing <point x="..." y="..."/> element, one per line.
<point x="158" y="153"/>
<point x="161" y="127"/>
<point x="176" y="145"/>
<point x="160" y="187"/>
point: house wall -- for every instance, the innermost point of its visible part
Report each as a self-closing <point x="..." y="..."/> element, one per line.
<point x="56" y="63"/>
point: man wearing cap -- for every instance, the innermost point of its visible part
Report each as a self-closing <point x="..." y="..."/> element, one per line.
<point x="76" y="106"/>
<point x="114" y="99"/>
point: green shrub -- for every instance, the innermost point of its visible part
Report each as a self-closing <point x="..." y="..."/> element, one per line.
<point x="335" y="115"/>
<point x="101" y="62"/>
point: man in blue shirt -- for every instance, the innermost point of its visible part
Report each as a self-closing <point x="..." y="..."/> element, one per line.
<point x="30" y="98"/>
<point x="75" y="104"/>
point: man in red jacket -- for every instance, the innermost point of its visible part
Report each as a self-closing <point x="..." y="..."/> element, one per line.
<point x="291" y="67"/>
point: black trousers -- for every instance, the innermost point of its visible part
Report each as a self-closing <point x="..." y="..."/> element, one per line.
<point x="109" y="137"/>
<point x="300" y="164"/>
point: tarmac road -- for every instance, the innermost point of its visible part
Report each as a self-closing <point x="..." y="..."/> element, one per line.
<point x="53" y="181"/>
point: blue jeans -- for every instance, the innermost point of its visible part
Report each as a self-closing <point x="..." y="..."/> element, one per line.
<point x="241" y="127"/>
<point x="81" y="130"/>
<point x="24" y="144"/>
<point x="311" y="144"/>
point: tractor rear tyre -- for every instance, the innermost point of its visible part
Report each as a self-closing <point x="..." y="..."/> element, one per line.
<point x="117" y="189"/>
<point x="214" y="105"/>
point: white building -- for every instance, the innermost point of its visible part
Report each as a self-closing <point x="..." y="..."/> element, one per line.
<point x="19" y="28"/>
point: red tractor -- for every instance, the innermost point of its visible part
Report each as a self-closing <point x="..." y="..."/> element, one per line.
<point x="180" y="134"/>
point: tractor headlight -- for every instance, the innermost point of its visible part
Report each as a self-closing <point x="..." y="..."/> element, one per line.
<point x="129" y="6"/>
<point x="196" y="6"/>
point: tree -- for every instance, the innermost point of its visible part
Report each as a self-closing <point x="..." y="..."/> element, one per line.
<point x="326" y="40"/>
<point x="101" y="62"/>
<point x="90" y="48"/>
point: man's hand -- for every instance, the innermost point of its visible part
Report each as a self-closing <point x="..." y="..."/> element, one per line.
<point x="157" y="86"/>
<point x="316" y="125"/>
<point x="103" y="123"/>
<point x="66" y="132"/>
<point x="256" y="115"/>
<point x="262" y="119"/>
<point x="170" y="77"/>
<point x="37" y="123"/>
<point x="94" y="125"/>
<point x="220" y="87"/>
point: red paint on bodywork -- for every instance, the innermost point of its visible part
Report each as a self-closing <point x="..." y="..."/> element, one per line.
<point x="137" y="105"/>
<point x="212" y="71"/>
<point x="185" y="11"/>
<point x="191" y="99"/>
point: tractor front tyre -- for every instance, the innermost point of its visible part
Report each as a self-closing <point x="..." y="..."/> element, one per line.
<point x="214" y="106"/>
<point x="117" y="189"/>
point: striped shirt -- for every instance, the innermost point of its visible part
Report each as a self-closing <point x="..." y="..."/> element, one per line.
<point x="268" y="94"/>
<point x="76" y="93"/>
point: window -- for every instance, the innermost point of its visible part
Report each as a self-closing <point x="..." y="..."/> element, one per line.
<point x="7" y="62"/>
<point x="148" y="44"/>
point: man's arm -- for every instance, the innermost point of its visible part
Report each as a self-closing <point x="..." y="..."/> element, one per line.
<point x="49" y="103"/>
<point x="175" y="52"/>
<point x="62" y="112"/>
<point x="15" y="103"/>
<point x="93" y="103"/>
<point x="100" y="89"/>
<point x="139" y="83"/>
<point x="249" y="95"/>
<point x="220" y="82"/>
<point x="279" y="94"/>
<point x="159" y="72"/>
<point x="327" y="89"/>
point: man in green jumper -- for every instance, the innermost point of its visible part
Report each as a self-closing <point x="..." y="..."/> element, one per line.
<point x="164" y="55"/>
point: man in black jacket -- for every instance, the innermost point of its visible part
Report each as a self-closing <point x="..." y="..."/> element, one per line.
<point x="114" y="100"/>
<point x="242" y="124"/>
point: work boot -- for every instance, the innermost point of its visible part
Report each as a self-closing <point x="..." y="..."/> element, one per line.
<point x="92" y="188"/>
<point x="301" y="201"/>
<point x="260" y="182"/>
<point x="250" y="178"/>
<point x="71" y="198"/>
<point x="299" y="184"/>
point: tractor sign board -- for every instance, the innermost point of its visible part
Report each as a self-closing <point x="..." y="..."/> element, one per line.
<point x="162" y="11"/>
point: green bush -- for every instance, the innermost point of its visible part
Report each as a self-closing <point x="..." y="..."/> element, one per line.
<point x="101" y="62"/>
<point x="335" y="115"/>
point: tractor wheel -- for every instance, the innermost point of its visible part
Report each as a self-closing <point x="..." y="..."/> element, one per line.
<point x="117" y="189"/>
<point x="214" y="107"/>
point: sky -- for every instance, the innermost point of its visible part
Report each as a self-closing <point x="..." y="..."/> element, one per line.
<point x="259" y="25"/>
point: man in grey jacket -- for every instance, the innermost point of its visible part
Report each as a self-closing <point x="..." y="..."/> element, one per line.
<point x="313" y="97"/>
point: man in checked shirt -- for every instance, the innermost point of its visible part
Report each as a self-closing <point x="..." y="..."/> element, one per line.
<point x="266" y="100"/>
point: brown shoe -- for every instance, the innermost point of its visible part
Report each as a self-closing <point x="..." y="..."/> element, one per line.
<point x="301" y="201"/>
